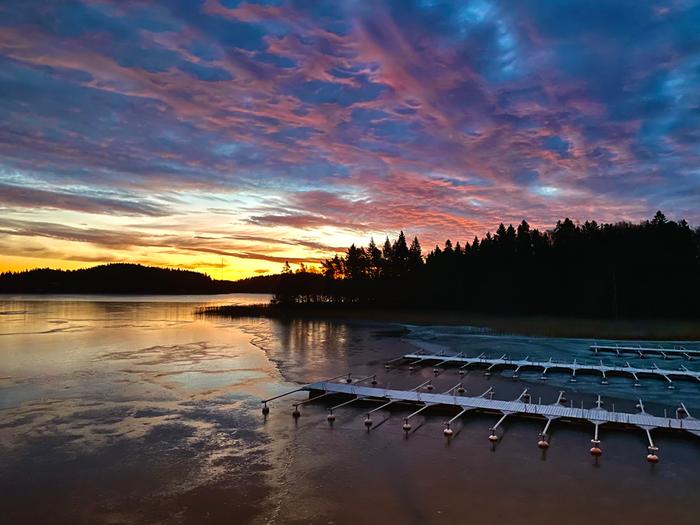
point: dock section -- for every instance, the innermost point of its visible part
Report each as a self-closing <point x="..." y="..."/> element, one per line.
<point x="643" y="352"/>
<point x="573" y="368"/>
<point x="520" y="407"/>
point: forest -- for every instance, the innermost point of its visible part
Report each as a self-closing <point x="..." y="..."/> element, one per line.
<point x="648" y="269"/>
<point x="118" y="278"/>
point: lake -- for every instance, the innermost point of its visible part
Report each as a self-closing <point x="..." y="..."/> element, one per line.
<point x="136" y="410"/>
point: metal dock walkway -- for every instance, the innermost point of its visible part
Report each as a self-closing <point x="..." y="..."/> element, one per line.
<point x="598" y="416"/>
<point x="645" y="351"/>
<point x="545" y="366"/>
<point x="521" y="406"/>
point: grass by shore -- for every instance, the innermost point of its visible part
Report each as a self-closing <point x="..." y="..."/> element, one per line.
<point x="533" y="325"/>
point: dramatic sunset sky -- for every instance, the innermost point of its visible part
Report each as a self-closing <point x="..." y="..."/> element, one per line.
<point x="181" y="132"/>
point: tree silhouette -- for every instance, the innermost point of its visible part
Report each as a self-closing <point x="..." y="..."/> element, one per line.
<point x="634" y="270"/>
<point x="650" y="269"/>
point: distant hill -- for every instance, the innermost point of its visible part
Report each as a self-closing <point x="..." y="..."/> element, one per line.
<point x="113" y="279"/>
<point x="258" y="284"/>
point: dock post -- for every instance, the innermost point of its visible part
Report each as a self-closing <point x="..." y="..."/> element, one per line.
<point x="652" y="456"/>
<point x="493" y="437"/>
<point x="682" y="412"/>
<point x="448" y="431"/>
<point x="543" y="441"/>
<point x="596" y="451"/>
<point x="406" y="425"/>
<point x="448" y="424"/>
<point x="671" y="386"/>
<point x="599" y="402"/>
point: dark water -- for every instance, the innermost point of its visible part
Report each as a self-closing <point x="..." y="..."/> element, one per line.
<point x="116" y="411"/>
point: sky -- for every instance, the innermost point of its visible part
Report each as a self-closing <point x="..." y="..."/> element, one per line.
<point x="229" y="136"/>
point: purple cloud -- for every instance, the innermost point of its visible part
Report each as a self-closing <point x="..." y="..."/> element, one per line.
<point x="441" y="118"/>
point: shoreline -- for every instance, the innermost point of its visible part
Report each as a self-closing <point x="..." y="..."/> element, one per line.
<point x="504" y="324"/>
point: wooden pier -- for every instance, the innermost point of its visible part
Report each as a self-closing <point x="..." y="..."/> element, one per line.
<point x="545" y="366"/>
<point x="646" y="351"/>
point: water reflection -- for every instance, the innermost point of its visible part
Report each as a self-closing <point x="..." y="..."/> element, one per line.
<point x="141" y="412"/>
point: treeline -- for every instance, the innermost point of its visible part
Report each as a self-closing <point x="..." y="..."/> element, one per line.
<point x="650" y="269"/>
<point x="113" y="279"/>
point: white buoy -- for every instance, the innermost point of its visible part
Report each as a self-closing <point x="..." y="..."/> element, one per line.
<point x="331" y="416"/>
<point x="493" y="438"/>
<point x="448" y="431"/>
<point x="368" y="421"/>
<point x="652" y="458"/>
<point x="543" y="444"/>
<point x="406" y="425"/>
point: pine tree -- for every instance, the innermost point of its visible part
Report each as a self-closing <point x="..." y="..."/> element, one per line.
<point x="375" y="258"/>
<point x="415" y="257"/>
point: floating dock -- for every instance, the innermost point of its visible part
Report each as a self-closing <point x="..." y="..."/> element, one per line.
<point x="422" y="398"/>
<point x="545" y="366"/>
<point x="646" y="351"/>
<point x="520" y="406"/>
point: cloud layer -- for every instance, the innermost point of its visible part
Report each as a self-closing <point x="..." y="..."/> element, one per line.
<point x="261" y="131"/>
